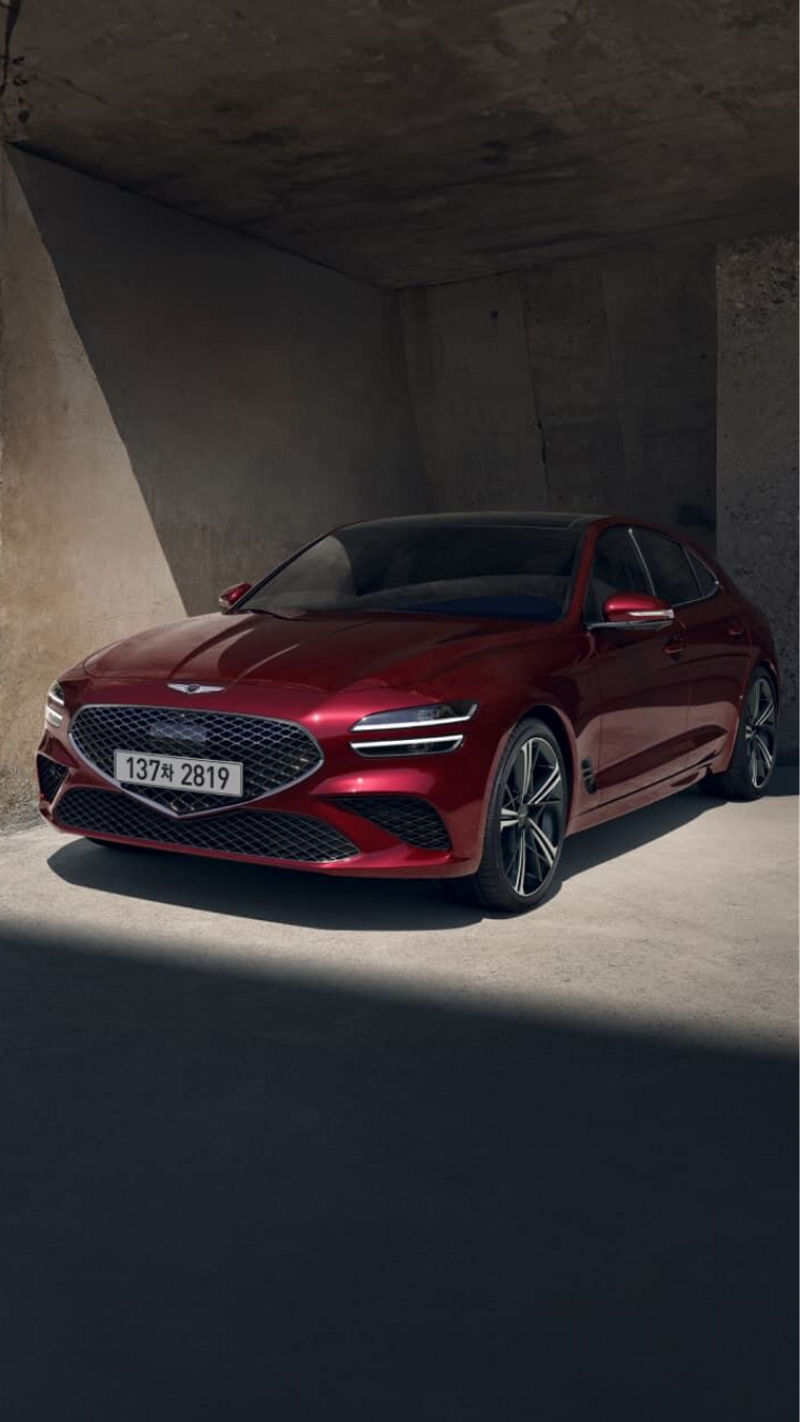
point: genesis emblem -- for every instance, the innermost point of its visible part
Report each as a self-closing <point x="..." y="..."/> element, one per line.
<point x="192" y="688"/>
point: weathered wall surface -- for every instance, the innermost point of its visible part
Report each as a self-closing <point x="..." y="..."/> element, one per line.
<point x="757" y="441"/>
<point x="472" y="393"/>
<point x="181" y="407"/>
<point x="585" y="385"/>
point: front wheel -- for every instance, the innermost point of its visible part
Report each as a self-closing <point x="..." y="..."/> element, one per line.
<point x="753" y="759"/>
<point x="524" y="826"/>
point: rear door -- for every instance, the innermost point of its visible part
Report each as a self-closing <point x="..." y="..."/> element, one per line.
<point x="717" y="655"/>
<point x="640" y="679"/>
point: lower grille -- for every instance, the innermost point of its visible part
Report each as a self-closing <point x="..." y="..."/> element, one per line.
<point x="266" y="833"/>
<point x="407" y="817"/>
<point x="50" y="776"/>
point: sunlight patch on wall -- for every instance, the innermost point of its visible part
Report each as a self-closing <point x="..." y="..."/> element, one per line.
<point x="80" y="561"/>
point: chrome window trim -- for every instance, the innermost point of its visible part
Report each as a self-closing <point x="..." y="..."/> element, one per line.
<point x="614" y="528"/>
<point x="198" y="814"/>
<point x="643" y="561"/>
<point x="689" y="601"/>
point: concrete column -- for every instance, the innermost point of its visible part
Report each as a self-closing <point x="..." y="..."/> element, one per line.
<point x="573" y="382"/>
<point x="660" y="314"/>
<point x="472" y="394"/>
<point x="757" y="439"/>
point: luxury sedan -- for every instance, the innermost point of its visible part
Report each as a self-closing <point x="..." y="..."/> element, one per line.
<point x="444" y="696"/>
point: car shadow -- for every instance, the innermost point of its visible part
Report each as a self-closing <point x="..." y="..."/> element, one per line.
<point x="321" y="901"/>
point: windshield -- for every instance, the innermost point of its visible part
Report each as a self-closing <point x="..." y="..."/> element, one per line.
<point x="492" y="570"/>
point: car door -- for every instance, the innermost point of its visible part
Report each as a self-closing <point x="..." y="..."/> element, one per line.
<point x="717" y="655"/>
<point x="641" y="682"/>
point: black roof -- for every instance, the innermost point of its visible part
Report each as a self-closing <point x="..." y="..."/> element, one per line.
<point x="494" y="518"/>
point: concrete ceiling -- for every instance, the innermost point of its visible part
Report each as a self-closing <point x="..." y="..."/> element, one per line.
<point x="413" y="141"/>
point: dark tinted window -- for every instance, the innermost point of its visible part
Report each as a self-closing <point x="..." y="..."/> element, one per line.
<point x="669" y="567"/>
<point x="704" y="575"/>
<point x="617" y="567"/>
<point x="494" y="570"/>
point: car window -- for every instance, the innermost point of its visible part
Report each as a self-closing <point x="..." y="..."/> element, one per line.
<point x="617" y="567"/>
<point x="442" y="568"/>
<point x="707" y="580"/>
<point x="669" y="566"/>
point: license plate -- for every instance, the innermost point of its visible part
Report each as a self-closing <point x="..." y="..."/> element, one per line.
<point x="177" y="772"/>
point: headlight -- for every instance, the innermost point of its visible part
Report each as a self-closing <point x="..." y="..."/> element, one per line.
<point x="441" y="713"/>
<point x="54" y="706"/>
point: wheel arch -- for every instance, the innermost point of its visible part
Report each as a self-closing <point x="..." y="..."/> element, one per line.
<point x="558" y="724"/>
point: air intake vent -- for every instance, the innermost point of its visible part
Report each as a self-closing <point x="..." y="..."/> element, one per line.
<point x="407" y="817"/>
<point x="50" y="776"/>
<point x="264" y="833"/>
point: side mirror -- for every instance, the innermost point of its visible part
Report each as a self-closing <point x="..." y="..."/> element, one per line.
<point x="227" y="598"/>
<point x="627" y="609"/>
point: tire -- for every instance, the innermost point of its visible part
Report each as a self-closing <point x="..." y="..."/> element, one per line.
<point x="528" y="809"/>
<point x="753" y="759"/>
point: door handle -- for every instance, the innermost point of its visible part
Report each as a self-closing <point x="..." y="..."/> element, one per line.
<point x="675" y="646"/>
<point x="735" y="629"/>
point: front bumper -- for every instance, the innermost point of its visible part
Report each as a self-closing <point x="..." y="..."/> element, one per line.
<point x="415" y="818"/>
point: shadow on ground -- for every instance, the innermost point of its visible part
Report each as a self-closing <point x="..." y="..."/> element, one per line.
<point x="280" y="896"/>
<point x="233" y="1197"/>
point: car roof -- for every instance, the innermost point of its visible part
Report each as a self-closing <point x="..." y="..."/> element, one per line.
<point x="495" y="518"/>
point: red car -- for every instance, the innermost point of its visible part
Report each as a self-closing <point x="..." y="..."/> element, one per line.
<point x="443" y="696"/>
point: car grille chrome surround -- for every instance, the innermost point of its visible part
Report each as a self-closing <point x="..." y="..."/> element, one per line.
<point x="275" y="754"/>
<point x="407" y="817"/>
<point x="267" y="834"/>
<point x="50" y="775"/>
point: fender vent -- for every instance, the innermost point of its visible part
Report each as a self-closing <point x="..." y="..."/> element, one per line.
<point x="587" y="771"/>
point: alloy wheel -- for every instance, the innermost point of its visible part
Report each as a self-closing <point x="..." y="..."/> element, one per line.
<point x="760" y="724"/>
<point x="531" y="816"/>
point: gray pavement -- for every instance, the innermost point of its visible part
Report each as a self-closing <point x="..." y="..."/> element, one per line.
<point x="278" y="1145"/>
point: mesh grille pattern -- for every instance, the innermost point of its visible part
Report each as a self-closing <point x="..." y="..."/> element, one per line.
<point x="50" y="776"/>
<point x="406" y="816"/>
<point x="274" y="753"/>
<point x="266" y="833"/>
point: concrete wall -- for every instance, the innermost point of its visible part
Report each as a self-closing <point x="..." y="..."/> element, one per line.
<point x="757" y="439"/>
<point x="585" y="385"/>
<point x="180" y="408"/>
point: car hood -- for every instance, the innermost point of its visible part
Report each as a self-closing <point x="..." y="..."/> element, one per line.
<point x="323" y="652"/>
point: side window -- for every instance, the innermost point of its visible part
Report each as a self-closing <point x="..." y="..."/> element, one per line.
<point x="669" y="567"/>
<point x="617" y="567"/>
<point x="705" y="577"/>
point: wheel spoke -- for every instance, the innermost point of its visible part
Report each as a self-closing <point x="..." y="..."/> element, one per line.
<point x="543" y="845"/>
<point x="546" y="790"/>
<point x="529" y="855"/>
<point x="764" y="750"/>
<point x="764" y="716"/>
<point x="525" y="762"/>
<point x="520" y="865"/>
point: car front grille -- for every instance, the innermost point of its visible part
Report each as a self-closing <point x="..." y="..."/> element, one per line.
<point x="50" y="776"/>
<point x="407" y="817"/>
<point x="269" y="834"/>
<point x="274" y="754"/>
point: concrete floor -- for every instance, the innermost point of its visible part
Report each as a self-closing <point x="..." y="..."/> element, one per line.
<point x="283" y="1145"/>
<point x="681" y="916"/>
